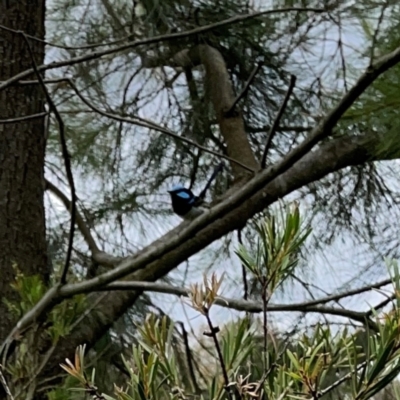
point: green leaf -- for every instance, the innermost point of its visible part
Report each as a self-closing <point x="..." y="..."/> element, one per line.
<point x="293" y="359"/>
<point x="381" y="362"/>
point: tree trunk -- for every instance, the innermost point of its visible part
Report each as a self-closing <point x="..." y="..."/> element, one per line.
<point x="22" y="151"/>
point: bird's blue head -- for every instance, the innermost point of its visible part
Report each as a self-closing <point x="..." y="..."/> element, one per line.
<point x="176" y="188"/>
<point x="182" y="194"/>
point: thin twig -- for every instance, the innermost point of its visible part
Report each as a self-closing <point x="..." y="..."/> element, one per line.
<point x="156" y="39"/>
<point x="22" y="119"/>
<point x="60" y="46"/>
<point x="80" y="221"/>
<point x="335" y="384"/>
<point x="353" y="292"/>
<point x="150" y="125"/>
<point x="382" y="304"/>
<point x="213" y="334"/>
<point x="189" y="359"/>
<point x="245" y="89"/>
<point x="66" y="157"/>
<point x="179" y="291"/>
<point x="4" y="383"/>
<point x="265" y="298"/>
<point x="39" y="369"/>
<point x="36" y="82"/>
<point x="87" y="312"/>
<point x="244" y="272"/>
<point x="341" y="52"/>
<point x="271" y="368"/>
<point x="236" y="304"/>
<point x="376" y="32"/>
<point x="296" y="129"/>
<point x="275" y="125"/>
<point x="306" y="286"/>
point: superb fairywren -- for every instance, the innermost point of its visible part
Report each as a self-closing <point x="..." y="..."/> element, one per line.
<point x="185" y="203"/>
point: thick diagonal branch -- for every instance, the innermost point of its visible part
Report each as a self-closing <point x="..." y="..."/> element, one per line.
<point x="329" y="158"/>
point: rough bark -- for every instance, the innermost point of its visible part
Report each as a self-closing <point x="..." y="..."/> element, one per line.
<point x="22" y="151"/>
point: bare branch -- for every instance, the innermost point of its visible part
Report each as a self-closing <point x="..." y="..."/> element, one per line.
<point x="130" y="45"/>
<point x="245" y="89"/>
<point x="151" y="125"/>
<point x="382" y="304"/>
<point x="24" y="118"/>
<point x="98" y="255"/>
<point x="376" y="32"/>
<point x="38" y="371"/>
<point x="244" y="270"/>
<point x="189" y="359"/>
<point x="178" y="244"/>
<point x="79" y="218"/>
<point x="275" y="125"/>
<point x="243" y="305"/>
<point x="60" y="46"/>
<point x="296" y="129"/>
<point x="36" y="82"/>
<point x="66" y="157"/>
<point x="178" y="291"/>
<point x="326" y="125"/>
<point x="348" y="293"/>
<point x="4" y="383"/>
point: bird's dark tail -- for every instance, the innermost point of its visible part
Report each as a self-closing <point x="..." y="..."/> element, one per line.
<point x="217" y="170"/>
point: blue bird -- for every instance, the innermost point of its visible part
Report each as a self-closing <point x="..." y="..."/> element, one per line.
<point x="187" y="205"/>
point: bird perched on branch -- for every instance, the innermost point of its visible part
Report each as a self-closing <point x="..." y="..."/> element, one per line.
<point x="187" y="205"/>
